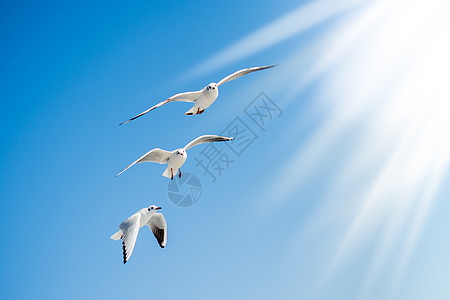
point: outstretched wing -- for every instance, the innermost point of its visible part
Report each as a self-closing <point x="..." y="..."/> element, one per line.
<point x="241" y="73"/>
<point x="130" y="229"/>
<point x="207" y="139"/>
<point x="158" y="225"/>
<point x="182" y="97"/>
<point x="156" y="155"/>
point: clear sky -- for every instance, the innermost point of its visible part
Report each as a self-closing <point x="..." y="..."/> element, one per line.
<point x="341" y="192"/>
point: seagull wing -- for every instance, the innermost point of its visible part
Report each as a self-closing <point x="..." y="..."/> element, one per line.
<point x="207" y="139"/>
<point x="156" y="155"/>
<point x="130" y="230"/>
<point x="241" y="73"/>
<point x="182" y="97"/>
<point x="158" y="225"/>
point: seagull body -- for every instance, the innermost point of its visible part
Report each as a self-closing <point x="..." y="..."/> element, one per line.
<point x="203" y="98"/>
<point x="175" y="159"/>
<point x="129" y="229"/>
<point x="207" y="97"/>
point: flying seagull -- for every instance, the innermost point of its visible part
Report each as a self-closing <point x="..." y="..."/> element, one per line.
<point x="129" y="229"/>
<point x="176" y="158"/>
<point x="203" y="98"/>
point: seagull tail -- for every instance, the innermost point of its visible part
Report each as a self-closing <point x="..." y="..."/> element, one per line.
<point x="117" y="236"/>
<point x="167" y="173"/>
<point x="192" y="111"/>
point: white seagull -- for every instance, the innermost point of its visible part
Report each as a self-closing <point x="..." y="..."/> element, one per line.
<point x="203" y="98"/>
<point x="129" y="229"/>
<point x="176" y="158"/>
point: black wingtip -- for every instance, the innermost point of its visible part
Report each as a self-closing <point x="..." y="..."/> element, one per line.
<point x="124" y="122"/>
<point x="124" y="252"/>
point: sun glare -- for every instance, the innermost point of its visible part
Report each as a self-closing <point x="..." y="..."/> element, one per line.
<point x="383" y="71"/>
<point x="387" y="75"/>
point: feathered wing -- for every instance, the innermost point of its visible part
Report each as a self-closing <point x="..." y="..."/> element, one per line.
<point x="158" y="225"/>
<point x="182" y="97"/>
<point x="207" y="139"/>
<point x="156" y="155"/>
<point x="130" y="230"/>
<point x="241" y="73"/>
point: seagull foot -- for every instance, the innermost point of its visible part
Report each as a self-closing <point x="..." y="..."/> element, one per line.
<point x="201" y="112"/>
<point x="171" y="171"/>
<point x="179" y="175"/>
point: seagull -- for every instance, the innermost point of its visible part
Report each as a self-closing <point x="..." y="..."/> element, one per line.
<point x="203" y="98"/>
<point x="129" y="229"/>
<point x="176" y="158"/>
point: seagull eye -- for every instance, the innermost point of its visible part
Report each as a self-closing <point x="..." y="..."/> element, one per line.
<point x="149" y="209"/>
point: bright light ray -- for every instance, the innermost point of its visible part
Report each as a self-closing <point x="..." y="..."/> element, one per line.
<point x="412" y="161"/>
<point x="385" y="72"/>
<point x="347" y="33"/>
<point x="402" y="100"/>
<point x="293" y="23"/>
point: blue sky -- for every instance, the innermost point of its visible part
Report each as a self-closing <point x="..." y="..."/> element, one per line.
<point x="342" y="196"/>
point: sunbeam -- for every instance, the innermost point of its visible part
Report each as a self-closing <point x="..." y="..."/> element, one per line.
<point x="287" y="26"/>
<point x="387" y="79"/>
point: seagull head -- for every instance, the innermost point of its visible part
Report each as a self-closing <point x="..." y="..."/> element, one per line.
<point x="153" y="208"/>
<point x="211" y="86"/>
<point x="181" y="152"/>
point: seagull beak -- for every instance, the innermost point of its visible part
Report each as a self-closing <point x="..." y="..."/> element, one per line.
<point x="158" y="208"/>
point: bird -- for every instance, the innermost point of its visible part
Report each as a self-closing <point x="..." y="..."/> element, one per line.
<point x="203" y="98"/>
<point x="129" y="229"/>
<point x="176" y="158"/>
